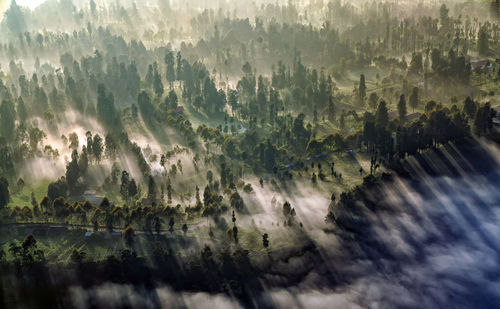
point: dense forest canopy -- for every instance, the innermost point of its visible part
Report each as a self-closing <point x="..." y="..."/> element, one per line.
<point x="236" y="153"/>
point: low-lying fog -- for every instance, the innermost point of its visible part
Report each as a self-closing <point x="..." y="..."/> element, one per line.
<point x="434" y="245"/>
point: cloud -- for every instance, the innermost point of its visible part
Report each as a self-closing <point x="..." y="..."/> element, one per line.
<point x="113" y="295"/>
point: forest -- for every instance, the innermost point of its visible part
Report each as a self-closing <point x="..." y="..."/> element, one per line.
<point x="249" y="154"/>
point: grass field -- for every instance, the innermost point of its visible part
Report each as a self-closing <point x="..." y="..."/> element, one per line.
<point x="22" y="197"/>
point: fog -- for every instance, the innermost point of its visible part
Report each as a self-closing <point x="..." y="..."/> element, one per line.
<point x="432" y="242"/>
<point x="423" y="238"/>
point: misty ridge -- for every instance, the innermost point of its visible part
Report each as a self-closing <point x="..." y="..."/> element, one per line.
<point x="249" y="154"/>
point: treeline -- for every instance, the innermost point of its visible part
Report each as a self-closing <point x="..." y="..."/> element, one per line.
<point x="220" y="271"/>
<point x="398" y="138"/>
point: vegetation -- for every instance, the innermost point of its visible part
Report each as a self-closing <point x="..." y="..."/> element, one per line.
<point x="157" y="124"/>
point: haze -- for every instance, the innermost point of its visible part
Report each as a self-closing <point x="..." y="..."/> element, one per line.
<point x="249" y="154"/>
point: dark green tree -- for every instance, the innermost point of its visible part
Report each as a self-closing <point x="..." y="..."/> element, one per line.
<point x="469" y="108"/>
<point x="414" y="100"/>
<point x="169" y="62"/>
<point x="171" y="225"/>
<point x="362" y="89"/>
<point x="237" y="202"/>
<point x="265" y="240"/>
<point x="111" y="146"/>
<point x="128" y="235"/>
<point x="7" y="119"/>
<point x="4" y="192"/>
<point x="73" y="175"/>
<point x="22" y="112"/>
<point x="157" y="83"/>
<point x="483" y="41"/>
<point x="157" y="222"/>
<point x="57" y="189"/>
<point x="179" y="66"/>
<point x="382" y="115"/>
<point x="106" y="111"/>
<point x="402" y="112"/>
<point x="132" y="189"/>
<point x="373" y="100"/>
<point x="483" y="120"/>
<point x="97" y="147"/>
<point x="145" y="107"/>
<point x="151" y="189"/>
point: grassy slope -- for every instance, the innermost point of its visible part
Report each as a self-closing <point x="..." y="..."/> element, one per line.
<point x="23" y="198"/>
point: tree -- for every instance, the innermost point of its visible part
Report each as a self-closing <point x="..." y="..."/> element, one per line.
<point x="97" y="147"/>
<point x="169" y="61"/>
<point x="469" y="108"/>
<point x="46" y="204"/>
<point x="57" y="189"/>
<point x="331" y="109"/>
<point x="157" y="83"/>
<point x="265" y="240"/>
<point x="88" y="135"/>
<point x="128" y="235"/>
<point x="362" y="89"/>
<point x="135" y="113"/>
<point x="342" y="120"/>
<point x="235" y="234"/>
<point x="22" y="112"/>
<point x="7" y="119"/>
<point x="179" y="66"/>
<point x="95" y="220"/>
<point x="169" y="191"/>
<point x="483" y="120"/>
<point x="171" y="225"/>
<point x="495" y="8"/>
<point x="145" y="106"/>
<point x="73" y="175"/>
<point x="149" y="76"/>
<point x="105" y="205"/>
<point x="171" y="100"/>
<point x="108" y="220"/>
<point x="314" y="178"/>
<point x="33" y="199"/>
<point x="287" y="208"/>
<point x="106" y="111"/>
<point x="237" y="202"/>
<point x="20" y="184"/>
<point x="416" y="64"/>
<point x="93" y="7"/>
<point x="414" y="101"/>
<point x="443" y="15"/>
<point x="483" y="44"/>
<point x="382" y="115"/>
<point x="373" y="100"/>
<point x="73" y="141"/>
<point x="210" y="177"/>
<point x="36" y="136"/>
<point x="77" y="256"/>
<point x="232" y="100"/>
<point x="157" y="223"/>
<point x="4" y="192"/>
<point x="124" y="187"/>
<point x="151" y="189"/>
<point x="402" y="112"/>
<point x="59" y="206"/>
<point x="14" y="19"/>
<point x="111" y="146"/>
<point x="26" y="252"/>
<point x="132" y="188"/>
